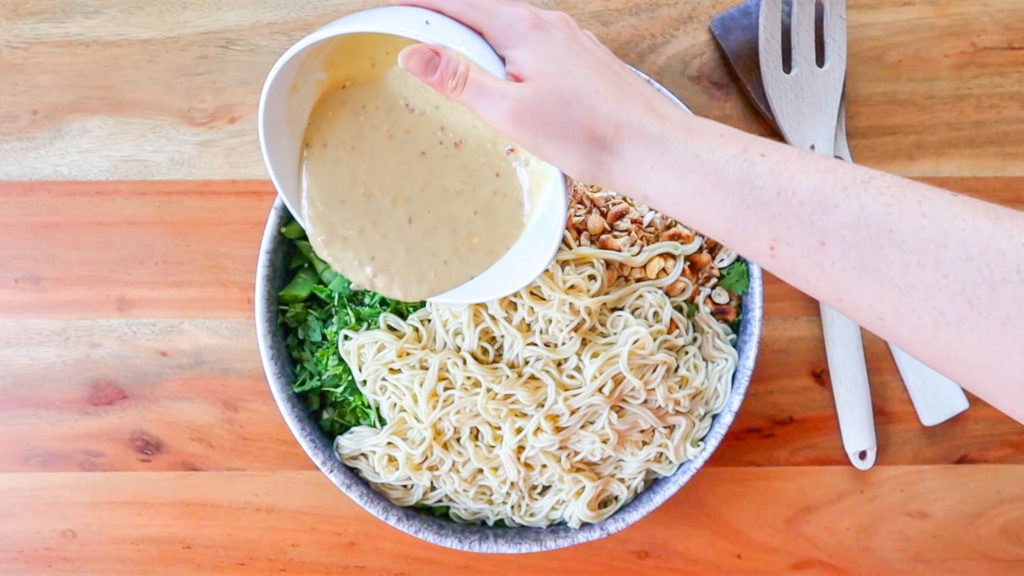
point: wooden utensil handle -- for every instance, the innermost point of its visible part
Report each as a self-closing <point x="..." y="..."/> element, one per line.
<point x="935" y="397"/>
<point x="849" y="375"/>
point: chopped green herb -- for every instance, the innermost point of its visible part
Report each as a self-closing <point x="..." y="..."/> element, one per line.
<point x="435" y="511"/>
<point x="300" y="287"/>
<point x="293" y="231"/>
<point x="735" y="278"/>
<point x="316" y="305"/>
<point x="340" y="285"/>
<point x="691" y="310"/>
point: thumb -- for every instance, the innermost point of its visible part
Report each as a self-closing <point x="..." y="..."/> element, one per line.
<point x="454" y="76"/>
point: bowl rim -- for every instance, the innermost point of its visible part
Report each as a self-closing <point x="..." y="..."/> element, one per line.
<point x="541" y="235"/>
<point x="445" y="532"/>
<point x="391" y="20"/>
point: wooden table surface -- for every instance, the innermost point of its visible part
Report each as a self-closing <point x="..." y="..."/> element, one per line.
<point x="137" y="433"/>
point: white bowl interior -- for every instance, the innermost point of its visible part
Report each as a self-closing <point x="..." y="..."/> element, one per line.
<point x="292" y="89"/>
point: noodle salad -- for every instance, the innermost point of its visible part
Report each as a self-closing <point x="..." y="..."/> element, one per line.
<point x="557" y="404"/>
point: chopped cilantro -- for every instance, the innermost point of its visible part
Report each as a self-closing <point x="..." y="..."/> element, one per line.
<point x="316" y="305"/>
<point x="735" y="278"/>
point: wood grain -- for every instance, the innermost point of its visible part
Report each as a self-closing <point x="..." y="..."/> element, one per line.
<point x="83" y="395"/>
<point x="137" y="434"/>
<point x="736" y="521"/>
<point x="142" y="249"/>
<point x="788" y="417"/>
<point x="188" y="249"/>
<point x="114" y="90"/>
<point x="934" y="87"/>
<point x="103" y="395"/>
<point x="169" y="394"/>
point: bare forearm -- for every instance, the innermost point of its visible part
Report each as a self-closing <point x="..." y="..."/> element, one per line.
<point x="938" y="273"/>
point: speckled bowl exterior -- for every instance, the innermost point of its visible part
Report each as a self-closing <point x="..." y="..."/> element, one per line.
<point x="270" y="277"/>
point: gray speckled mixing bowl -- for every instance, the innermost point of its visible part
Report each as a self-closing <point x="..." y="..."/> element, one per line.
<point x="277" y="365"/>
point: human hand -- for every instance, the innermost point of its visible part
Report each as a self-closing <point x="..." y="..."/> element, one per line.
<point x="567" y="98"/>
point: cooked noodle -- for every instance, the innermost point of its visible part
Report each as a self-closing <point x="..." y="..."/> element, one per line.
<point x="557" y="404"/>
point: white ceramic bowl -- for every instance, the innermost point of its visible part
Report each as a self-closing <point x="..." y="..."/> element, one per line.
<point x="290" y="92"/>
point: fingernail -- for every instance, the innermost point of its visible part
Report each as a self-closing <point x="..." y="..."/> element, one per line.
<point x="420" y="60"/>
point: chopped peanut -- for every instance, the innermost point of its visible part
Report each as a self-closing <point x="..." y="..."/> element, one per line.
<point x="606" y="242"/>
<point x="675" y="289"/>
<point x="608" y="221"/>
<point x="699" y="259"/>
<point x="611" y="274"/>
<point x="719" y="295"/>
<point x="617" y="213"/>
<point x="595" y="224"/>
<point x="653" y="266"/>
<point x="724" y="313"/>
<point x="676" y="235"/>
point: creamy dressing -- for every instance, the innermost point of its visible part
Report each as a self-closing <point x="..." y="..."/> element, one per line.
<point x="404" y="192"/>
